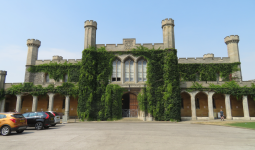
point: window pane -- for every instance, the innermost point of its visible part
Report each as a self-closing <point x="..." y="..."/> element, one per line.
<point x="144" y="66"/>
<point x="139" y="66"/>
<point x="119" y="69"/>
<point x="113" y="74"/>
<point x="139" y="76"/>
<point x="144" y="77"/>
<point x="66" y="77"/>
<point x="127" y="66"/>
<point x="47" y="78"/>
<point x="131" y="66"/>
<point x="131" y="76"/>
<point x="126" y="76"/>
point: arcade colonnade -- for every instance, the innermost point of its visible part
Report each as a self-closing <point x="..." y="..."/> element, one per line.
<point x="198" y="105"/>
<point x="30" y="102"/>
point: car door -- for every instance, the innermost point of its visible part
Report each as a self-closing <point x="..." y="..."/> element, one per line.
<point x="33" y="117"/>
<point x="29" y="119"/>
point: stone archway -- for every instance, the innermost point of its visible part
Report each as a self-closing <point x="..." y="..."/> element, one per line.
<point x="129" y="105"/>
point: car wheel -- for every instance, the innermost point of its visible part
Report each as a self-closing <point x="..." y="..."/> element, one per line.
<point x="53" y="124"/>
<point x="6" y="130"/>
<point x="19" y="131"/>
<point x="38" y="126"/>
<point x="46" y="127"/>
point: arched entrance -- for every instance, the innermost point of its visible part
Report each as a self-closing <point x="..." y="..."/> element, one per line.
<point x="129" y="105"/>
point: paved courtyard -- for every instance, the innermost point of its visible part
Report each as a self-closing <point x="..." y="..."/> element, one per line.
<point x="131" y="136"/>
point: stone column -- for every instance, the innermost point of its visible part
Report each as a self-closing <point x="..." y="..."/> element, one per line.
<point x="18" y="103"/>
<point x="228" y="108"/>
<point x="193" y="106"/>
<point x="35" y="101"/>
<point x="135" y="72"/>
<point x="246" y="108"/>
<point x="51" y="101"/>
<point x="210" y="106"/>
<point x="67" y="104"/>
<point x="2" y="102"/>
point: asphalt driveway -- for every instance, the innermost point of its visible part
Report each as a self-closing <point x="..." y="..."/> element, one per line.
<point x="131" y="135"/>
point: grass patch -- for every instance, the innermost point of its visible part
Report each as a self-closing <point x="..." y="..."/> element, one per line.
<point x="250" y="125"/>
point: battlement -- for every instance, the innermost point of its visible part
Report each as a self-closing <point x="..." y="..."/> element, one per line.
<point x="123" y="47"/>
<point x="205" y="60"/>
<point x="56" y="57"/>
<point x="90" y="23"/>
<point x="231" y="38"/>
<point x="2" y="72"/>
<point x="209" y="55"/>
<point x="33" y="42"/>
<point x="40" y="62"/>
<point x="167" y="21"/>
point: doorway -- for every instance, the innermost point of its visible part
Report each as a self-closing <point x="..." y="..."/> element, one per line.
<point x="129" y="105"/>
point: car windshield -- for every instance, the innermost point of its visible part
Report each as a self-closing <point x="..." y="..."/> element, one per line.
<point x="17" y="116"/>
<point x="56" y="113"/>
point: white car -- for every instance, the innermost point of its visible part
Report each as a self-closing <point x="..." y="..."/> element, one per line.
<point x="56" y="118"/>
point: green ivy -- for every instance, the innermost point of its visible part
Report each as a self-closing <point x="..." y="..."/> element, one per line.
<point x="207" y="72"/>
<point x="230" y="87"/>
<point x="2" y="94"/>
<point x="29" y="88"/>
<point x="57" y="71"/>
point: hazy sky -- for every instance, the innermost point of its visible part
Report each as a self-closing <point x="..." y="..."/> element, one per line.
<point x="200" y="28"/>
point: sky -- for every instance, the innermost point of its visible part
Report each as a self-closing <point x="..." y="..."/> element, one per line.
<point x="200" y="28"/>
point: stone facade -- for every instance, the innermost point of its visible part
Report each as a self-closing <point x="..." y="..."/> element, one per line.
<point x="209" y="103"/>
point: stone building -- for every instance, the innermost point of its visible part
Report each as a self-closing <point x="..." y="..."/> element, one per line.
<point x="130" y="73"/>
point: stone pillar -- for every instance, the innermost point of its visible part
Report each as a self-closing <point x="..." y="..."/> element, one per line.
<point x="18" y="103"/>
<point x="168" y="33"/>
<point x="210" y="106"/>
<point x="246" y="108"/>
<point x="228" y="108"/>
<point x="193" y="106"/>
<point x="233" y="52"/>
<point x="90" y="33"/>
<point x="135" y="72"/>
<point x="2" y="104"/>
<point x="35" y="101"/>
<point x="51" y="101"/>
<point x="67" y="104"/>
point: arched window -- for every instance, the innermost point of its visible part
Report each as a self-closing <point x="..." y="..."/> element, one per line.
<point x="47" y="78"/>
<point x="116" y="72"/>
<point x="142" y="70"/>
<point x="129" y="70"/>
<point x="65" y="78"/>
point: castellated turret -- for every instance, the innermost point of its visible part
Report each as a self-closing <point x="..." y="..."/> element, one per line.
<point x="32" y="53"/>
<point x="2" y="78"/>
<point x="90" y="33"/>
<point x="168" y="33"/>
<point x="233" y="52"/>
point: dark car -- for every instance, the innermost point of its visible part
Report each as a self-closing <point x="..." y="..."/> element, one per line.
<point x="39" y="120"/>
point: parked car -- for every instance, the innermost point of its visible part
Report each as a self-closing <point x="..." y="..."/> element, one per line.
<point x="11" y="121"/>
<point x="56" y="117"/>
<point x="39" y="120"/>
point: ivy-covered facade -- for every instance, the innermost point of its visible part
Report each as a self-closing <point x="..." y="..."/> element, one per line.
<point x="147" y="81"/>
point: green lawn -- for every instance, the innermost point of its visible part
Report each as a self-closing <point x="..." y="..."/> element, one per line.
<point x="250" y="125"/>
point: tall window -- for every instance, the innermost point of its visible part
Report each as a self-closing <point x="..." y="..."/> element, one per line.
<point x="47" y="78"/>
<point x="142" y="71"/>
<point x="116" y="72"/>
<point x="65" y="78"/>
<point x="129" y="70"/>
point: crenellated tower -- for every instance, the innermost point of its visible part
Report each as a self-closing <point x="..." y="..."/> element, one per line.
<point x="32" y="55"/>
<point x="90" y="33"/>
<point x="168" y="33"/>
<point x="233" y="52"/>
